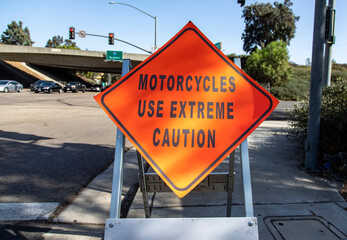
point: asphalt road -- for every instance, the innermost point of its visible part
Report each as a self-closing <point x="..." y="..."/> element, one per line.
<point x="51" y="145"/>
<point x="280" y="112"/>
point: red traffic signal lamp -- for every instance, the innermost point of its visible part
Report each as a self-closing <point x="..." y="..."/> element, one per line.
<point x="110" y="39"/>
<point x="71" y="33"/>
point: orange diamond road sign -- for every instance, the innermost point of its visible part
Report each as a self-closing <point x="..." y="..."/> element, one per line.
<point x="186" y="107"/>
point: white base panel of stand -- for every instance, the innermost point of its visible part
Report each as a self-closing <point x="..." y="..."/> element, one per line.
<point x="238" y="228"/>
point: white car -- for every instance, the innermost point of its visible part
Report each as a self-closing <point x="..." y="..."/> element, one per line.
<point x="10" y="86"/>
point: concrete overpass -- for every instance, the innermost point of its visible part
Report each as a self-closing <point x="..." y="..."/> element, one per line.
<point x="66" y="58"/>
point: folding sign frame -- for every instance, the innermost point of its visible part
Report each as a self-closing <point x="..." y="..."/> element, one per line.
<point x="179" y="228"/>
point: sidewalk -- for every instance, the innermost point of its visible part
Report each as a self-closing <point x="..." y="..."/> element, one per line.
<point x="283" y="193"/>
<point x="288" y="202"/>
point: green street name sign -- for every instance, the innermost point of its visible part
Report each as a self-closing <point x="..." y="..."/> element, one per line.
<point x="218" y="45"/>
<point x="114" y="55"/>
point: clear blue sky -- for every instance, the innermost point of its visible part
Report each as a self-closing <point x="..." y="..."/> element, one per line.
<point x="218" y="20"/>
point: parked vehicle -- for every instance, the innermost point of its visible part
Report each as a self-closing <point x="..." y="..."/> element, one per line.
<point x="36" y="84"/>
<point x="75" y="87"/>
<point x="10" y="86"/>
<point x="49" y="87"/>
<point x="97" y="88"/>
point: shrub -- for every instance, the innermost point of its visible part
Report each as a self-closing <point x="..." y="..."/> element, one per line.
<point x="270" y="64"/>
<point x="297" y="86"/>
<point x="334" y="117"/>
<point x="336" y="74"/>
<point x="333" y="125"/>
<point x="293" y="91"/>
<point x="300" y="72"/>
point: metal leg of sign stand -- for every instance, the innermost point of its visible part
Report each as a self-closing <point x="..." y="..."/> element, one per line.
<point x="231" y="177"/>
<point x="143" y="186"/>
<point x="214" y="182"/>
<point x="117" y="181"/>
<point x="246" y="178"/>
<point x="246" y="170"/>
<point x="236" y="228"/>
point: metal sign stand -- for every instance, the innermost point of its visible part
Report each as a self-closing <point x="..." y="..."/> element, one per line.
<point x="214" y="182"/>
<point x="237" y="228"/>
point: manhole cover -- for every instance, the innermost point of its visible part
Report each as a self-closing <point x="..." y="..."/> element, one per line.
<point x="303" y="227"/>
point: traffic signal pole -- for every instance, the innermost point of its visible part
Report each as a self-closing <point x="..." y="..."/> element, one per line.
<point x="313" y="129"/>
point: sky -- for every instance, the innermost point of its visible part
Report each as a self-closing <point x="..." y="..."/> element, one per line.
<point x="219" y="20"/>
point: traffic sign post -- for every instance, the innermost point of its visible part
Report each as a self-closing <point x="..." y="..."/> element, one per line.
<point x="117" y="181"/>
<point x="183" y="98"/>
<point x="190" y="99"/>
<point x="82" y="34"/>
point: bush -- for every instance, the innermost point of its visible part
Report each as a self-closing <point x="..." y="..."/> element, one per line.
<point x="299" y="72"/>
<point x="297" y="87"/>
<point x="333" y="125"/>
<point x="336" y="74"/>
<point x="270" y="64"/>
<point x="294" y="90"/>
<point x="334" y="117"/>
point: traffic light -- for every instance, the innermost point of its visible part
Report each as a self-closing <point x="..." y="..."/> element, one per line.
<point x="110" y="39"/>
<point x="242" y="2"/>
<point x="71" y="33"/>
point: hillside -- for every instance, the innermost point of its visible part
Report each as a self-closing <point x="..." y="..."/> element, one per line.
<point x="298" y="86"/>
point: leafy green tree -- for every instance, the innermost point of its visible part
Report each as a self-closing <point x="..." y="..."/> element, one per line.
<point x="58" y="42"/>
<point x="114" y="77"/>
<point x="270" y="64"/>
<point x="266" y="23"/>
<point x="87" y="74"/>
<point x="69" y="45"/>
<point x="55" y="42"/>
<point x="16" y="35"/>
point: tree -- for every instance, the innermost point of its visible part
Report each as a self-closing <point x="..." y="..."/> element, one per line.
<point x="266" y="23"/>
<point x="270" y="64"/>
<point x="16" y="35"/>
<point x="55" y="42"/>
<point x="69" y="45"/>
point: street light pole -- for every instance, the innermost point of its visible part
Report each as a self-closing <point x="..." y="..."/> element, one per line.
<point x="154" y="17"/>
<point x="155" y="34"/>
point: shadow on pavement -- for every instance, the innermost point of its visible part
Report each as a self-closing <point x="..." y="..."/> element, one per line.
<point x="22" y="231"/>
<point x="21" y="136"/>
<point x="32" y="172"/>
<point x="40" y="230"/>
